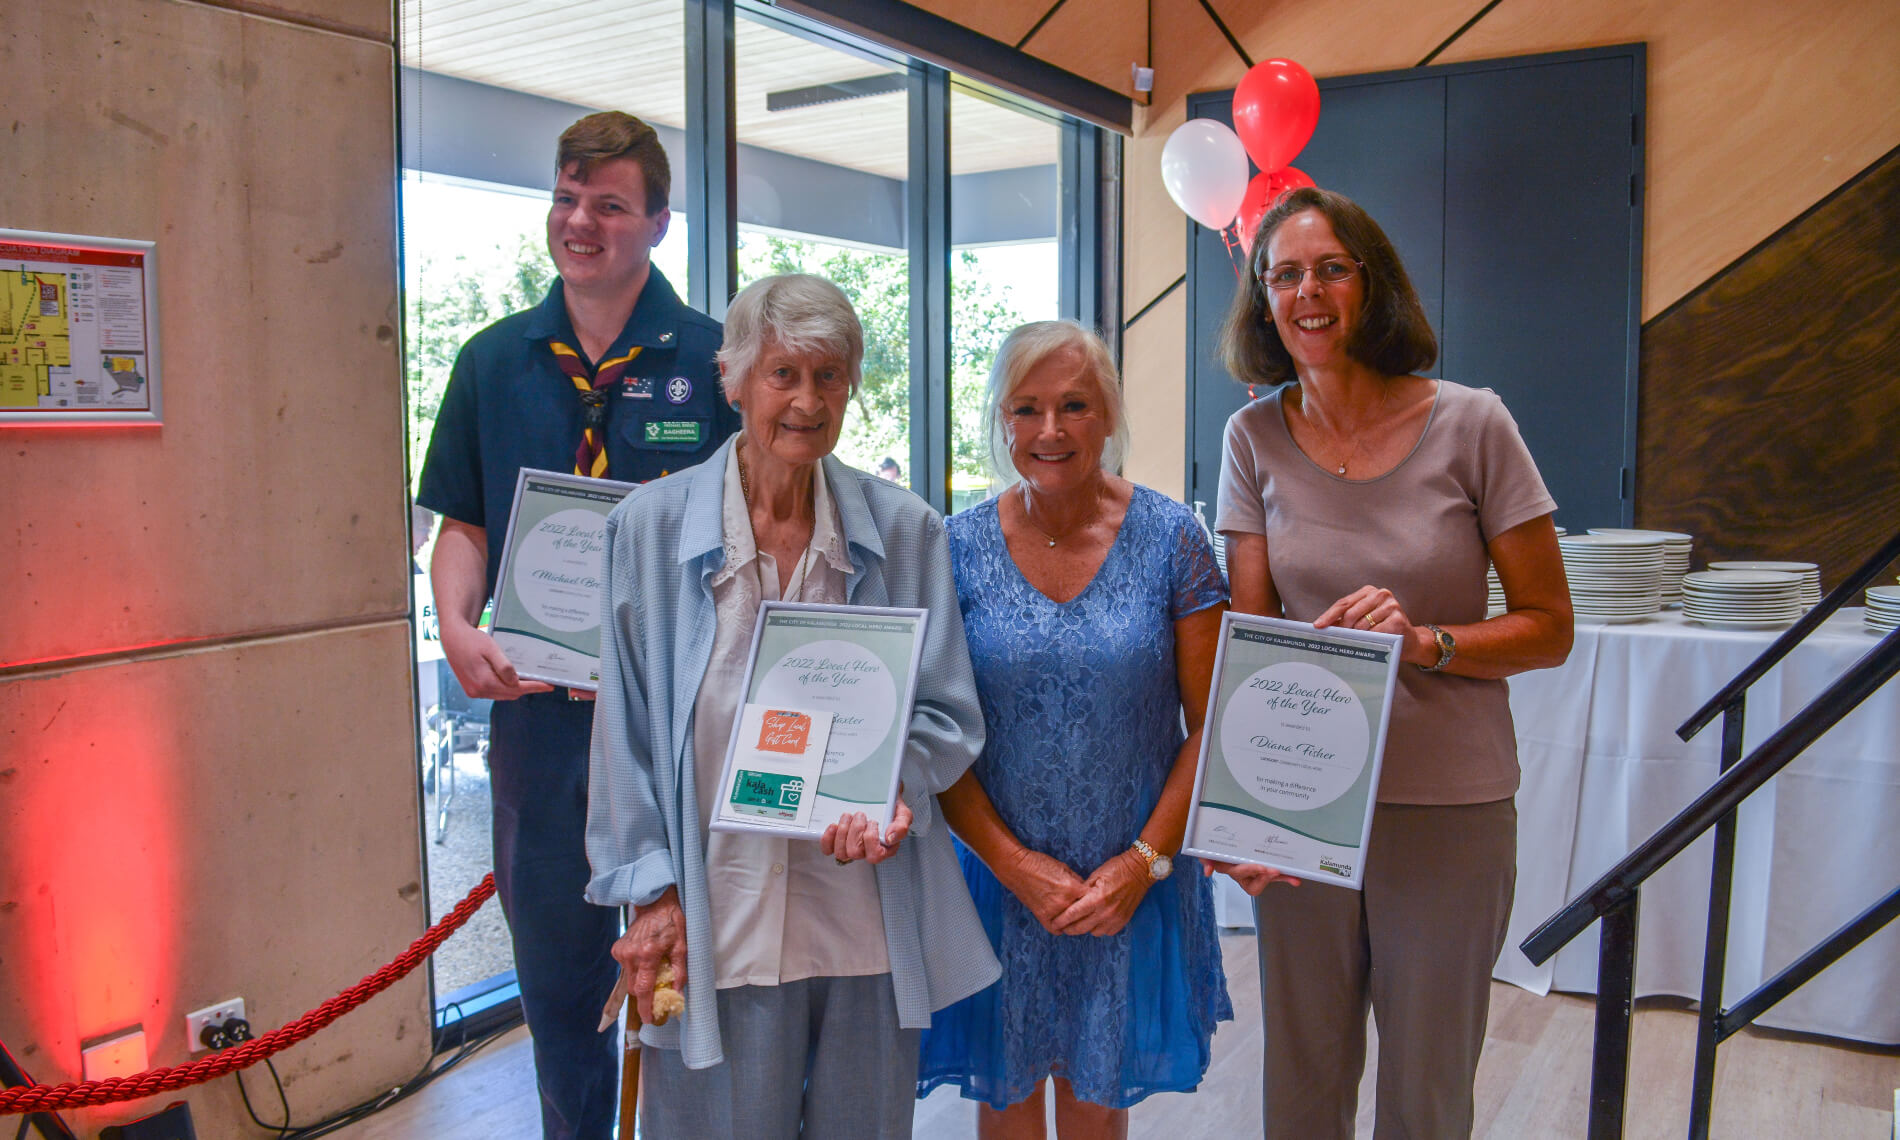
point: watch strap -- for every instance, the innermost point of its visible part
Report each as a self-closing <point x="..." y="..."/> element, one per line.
<point x="1447" y="649"/>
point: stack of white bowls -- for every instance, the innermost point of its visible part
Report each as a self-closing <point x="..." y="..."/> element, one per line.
<point x="1808" y="572"/>
<point x="1494" y="603"/>
<point x="1676" y="550"/>
<point x="1742" y="599"/>
<point x="1883" y="609"/>
<point x="1613" y="577"/>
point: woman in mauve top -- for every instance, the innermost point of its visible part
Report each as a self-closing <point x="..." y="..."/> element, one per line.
<point x="1363" y="495"/>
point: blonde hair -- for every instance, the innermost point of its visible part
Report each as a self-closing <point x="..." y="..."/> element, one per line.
<point x="1021" y="352"/>
<point x="798" y="312"/>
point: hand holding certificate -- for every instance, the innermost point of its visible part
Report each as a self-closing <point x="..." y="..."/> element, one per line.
<point x="1290" y="755"/>
<point x="819" y="737"/>
<point x="547" y="595"/>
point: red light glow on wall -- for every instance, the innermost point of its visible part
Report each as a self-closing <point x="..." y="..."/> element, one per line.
<point x="89" y="900"/>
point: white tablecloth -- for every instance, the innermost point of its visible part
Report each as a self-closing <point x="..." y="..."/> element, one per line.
<point x="1603" y="769"/>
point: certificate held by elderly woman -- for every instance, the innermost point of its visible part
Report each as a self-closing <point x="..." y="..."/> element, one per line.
<point x="836" y="681"/>
<point x="1291" y="751"/>
<point x="548" y="591"/>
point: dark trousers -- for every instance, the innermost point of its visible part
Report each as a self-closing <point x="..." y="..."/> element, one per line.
<point x="538" y="761"/>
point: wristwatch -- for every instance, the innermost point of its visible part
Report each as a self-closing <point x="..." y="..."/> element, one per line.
<point x="1159" y="865"/>
<point x="1447" y="649"/>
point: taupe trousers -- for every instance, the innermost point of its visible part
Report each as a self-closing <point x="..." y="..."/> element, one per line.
<point x="1417" y="945"/>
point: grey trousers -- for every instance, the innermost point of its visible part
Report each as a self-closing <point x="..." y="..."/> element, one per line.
<point x="1417" y="944"/>
<point x="821" y="1058"/>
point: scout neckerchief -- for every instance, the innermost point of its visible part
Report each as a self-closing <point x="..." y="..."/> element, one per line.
<point x="590" y="458"/>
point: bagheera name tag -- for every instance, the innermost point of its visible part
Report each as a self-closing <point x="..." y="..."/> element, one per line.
<point x="674" y="431"/>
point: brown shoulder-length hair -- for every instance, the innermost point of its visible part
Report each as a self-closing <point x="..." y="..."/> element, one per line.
<point x="607" y="135"/>
<point x="1392" y="336"/>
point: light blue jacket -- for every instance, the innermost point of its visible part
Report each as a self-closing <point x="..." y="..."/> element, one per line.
<point x="644" y="834"/>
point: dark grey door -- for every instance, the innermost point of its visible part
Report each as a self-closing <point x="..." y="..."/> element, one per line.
<point x="1512" y="191"/>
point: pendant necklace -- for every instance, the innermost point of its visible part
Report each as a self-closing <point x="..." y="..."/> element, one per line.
<point x="1051" y="539"/>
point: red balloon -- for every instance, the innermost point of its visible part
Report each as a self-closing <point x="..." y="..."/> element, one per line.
<point x="1276" y="107"/>
<point x="1262" y="193"/>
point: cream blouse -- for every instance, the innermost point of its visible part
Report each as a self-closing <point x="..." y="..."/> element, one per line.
<point x="782" y="910"/>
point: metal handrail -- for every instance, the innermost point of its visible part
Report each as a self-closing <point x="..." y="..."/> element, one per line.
<point x="1791" y="637"/>
<point x="1620" y="883"/>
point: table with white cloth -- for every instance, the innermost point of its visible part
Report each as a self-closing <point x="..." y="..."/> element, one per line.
<point x="1603" y="769"/>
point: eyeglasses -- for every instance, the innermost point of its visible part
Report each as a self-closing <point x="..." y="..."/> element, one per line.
<point x="1331" y="271"/>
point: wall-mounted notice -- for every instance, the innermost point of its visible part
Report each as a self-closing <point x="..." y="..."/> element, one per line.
<point x="78" y="329"/>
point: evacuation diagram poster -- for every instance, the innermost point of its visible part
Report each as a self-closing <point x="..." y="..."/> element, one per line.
<point x="75" y="330"/>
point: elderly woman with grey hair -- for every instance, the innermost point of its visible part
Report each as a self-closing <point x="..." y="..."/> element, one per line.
<point x="807" y="969"/>
<point x="1092" y="608"/>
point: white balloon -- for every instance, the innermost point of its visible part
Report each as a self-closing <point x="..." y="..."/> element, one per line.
<point x="1204" y="166"/>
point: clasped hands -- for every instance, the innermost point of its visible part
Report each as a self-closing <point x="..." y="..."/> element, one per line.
<point x="1066" y="903"/>
<point x="1374" y="608"/>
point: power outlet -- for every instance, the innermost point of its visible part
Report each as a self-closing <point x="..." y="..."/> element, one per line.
<point x="210" y="1015"/>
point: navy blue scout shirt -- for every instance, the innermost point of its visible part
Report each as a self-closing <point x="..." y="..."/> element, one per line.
<point x="510" y="406"/>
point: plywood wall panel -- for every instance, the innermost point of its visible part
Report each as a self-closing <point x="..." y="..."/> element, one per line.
<point x="1756" y="110"/>
<point x="236" y="823"/>
<point x="1100" y="40"/>
<point x="1154" y="387"/>
<point x="1154" y="242"/>
<point x="1770" y="416"/>
<point x="260" y="156"/>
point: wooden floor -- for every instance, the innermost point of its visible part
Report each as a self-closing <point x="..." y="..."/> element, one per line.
<point x="1533" y="1081"/>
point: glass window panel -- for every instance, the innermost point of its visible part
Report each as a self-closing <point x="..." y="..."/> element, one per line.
<point x="824" y="147"/>
<point x="1004" y="207"/>
<point x="487" y="88"/>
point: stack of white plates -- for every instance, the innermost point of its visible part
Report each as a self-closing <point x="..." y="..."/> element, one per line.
<point x="1494" y="603"/>
<point x="1883" y="609"/>
<point x="1676" y="549"/>
<point x="1613" y="577"/>
<point x="1742" y="599"/>
<point x="1808" y="572"/>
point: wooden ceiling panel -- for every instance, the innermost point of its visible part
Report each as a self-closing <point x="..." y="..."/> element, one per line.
<point x="1005" y="20"/>
<point x="1190" y="55"/>
<point x="1099" y="40"/>
<point x="1310" y="33"/>
<point x="1755" y="111"/>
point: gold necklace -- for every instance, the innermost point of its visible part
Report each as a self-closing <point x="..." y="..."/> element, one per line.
<point x="1051" y="539"/>
<point x="1358" y="437"/>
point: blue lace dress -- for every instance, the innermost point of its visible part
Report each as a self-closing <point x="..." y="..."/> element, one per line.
<point x="1082" y="711"/>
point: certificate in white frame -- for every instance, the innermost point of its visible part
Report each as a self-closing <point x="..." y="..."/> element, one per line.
<point x="1292" y="747"/>
<point x="78" y="330"/>
<point x="858" y="663"/>
<point x="548" y="591"/>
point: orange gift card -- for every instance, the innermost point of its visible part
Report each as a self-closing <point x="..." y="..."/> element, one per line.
<point x="787" y="732"/>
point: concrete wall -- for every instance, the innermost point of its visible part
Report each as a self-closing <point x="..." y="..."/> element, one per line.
<point x="207" y="778"/>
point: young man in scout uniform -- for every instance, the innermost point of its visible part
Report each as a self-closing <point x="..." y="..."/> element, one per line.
<point x="611" y="376"/>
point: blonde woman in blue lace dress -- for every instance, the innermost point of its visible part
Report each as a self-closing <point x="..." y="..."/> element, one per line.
<point x="1092" y="608"/>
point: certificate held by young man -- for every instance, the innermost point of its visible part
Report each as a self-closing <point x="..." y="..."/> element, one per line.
<point x="821" y="731"/>
<point x="1291" y="751"/>
<point x="547" y="594"/>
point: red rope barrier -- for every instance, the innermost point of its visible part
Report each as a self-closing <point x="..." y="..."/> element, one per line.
<point x="49" y="1098"/>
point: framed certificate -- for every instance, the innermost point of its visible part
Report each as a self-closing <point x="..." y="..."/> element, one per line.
<point x="548" y="592"/>
<point x="1291" y="752"/>
<point x="821" y="731"/>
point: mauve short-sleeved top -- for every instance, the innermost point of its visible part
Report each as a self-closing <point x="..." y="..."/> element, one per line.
<point x="1420" y="531"/>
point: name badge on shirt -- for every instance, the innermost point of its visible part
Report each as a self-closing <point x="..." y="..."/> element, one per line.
<point x="674" y="431"/>
<point x="636" y="388"/>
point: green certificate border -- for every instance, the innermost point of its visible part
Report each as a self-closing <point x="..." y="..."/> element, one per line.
<point x="1326" y="843"/>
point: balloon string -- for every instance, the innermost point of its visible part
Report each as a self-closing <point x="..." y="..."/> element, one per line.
<point x="1228" y="243"/>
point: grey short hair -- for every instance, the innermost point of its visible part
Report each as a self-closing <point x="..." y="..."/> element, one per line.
<point x="799" y="313"/>
<point x="1021" y="351"/>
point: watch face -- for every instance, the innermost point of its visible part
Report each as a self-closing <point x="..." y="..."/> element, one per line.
<point x="1161" y="868"/>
